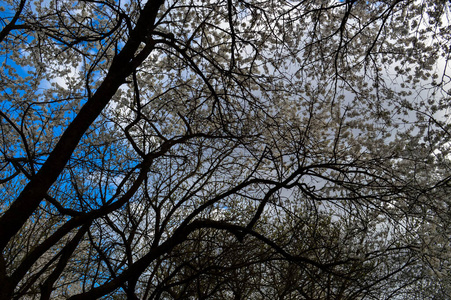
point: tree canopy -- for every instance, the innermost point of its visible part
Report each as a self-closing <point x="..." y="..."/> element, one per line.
<point x="225" y="149"/>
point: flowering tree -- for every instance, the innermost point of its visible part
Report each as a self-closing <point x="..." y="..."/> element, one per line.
<point x="174" y="149"/>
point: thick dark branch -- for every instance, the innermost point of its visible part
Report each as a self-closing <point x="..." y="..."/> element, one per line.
<point x="12" y="25"/>
<point x="121" y="67"/>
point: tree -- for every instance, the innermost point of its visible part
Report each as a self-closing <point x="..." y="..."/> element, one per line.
<point x="175" y="149"/>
